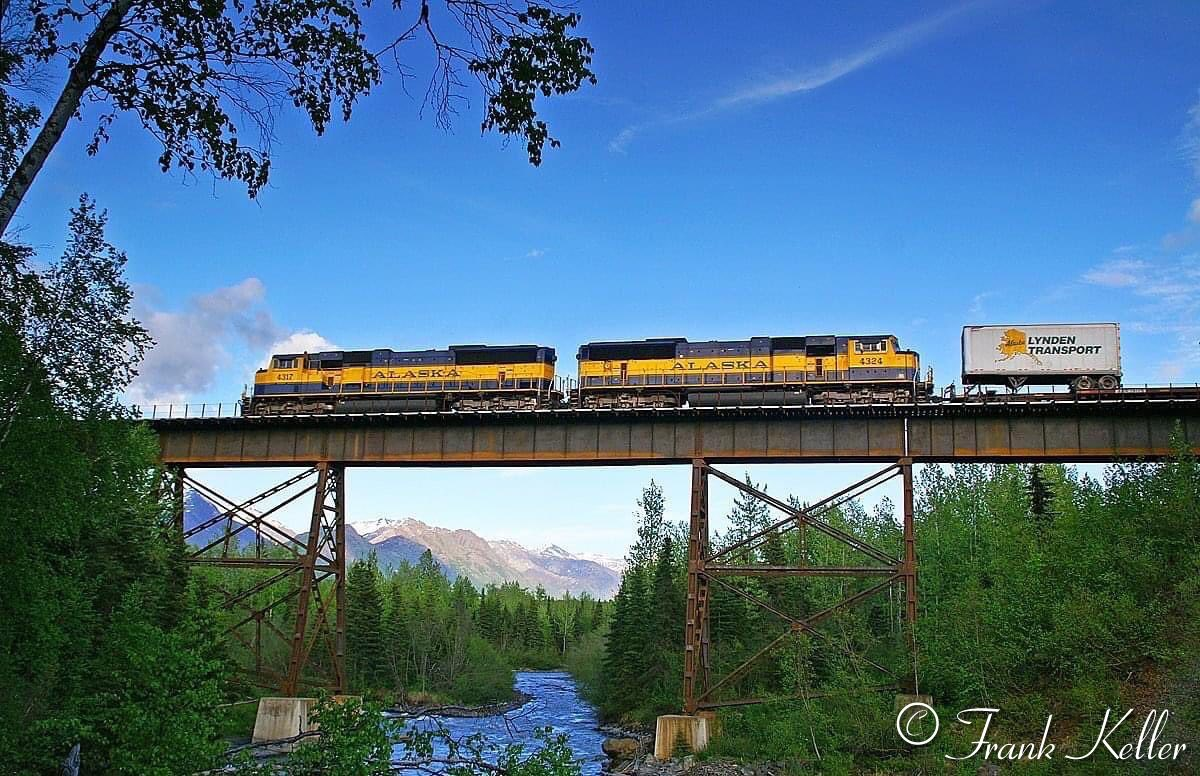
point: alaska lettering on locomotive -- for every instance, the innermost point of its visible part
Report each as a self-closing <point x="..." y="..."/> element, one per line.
<point x="690" y="366"/>
<point x="412" y="374"/>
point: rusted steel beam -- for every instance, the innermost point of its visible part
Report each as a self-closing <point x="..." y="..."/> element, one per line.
<point x="308" y="582"/>
<point x="996" y="432"/>
<point x="799" y="571"/>
<point x="796" y="625"/>
<point x="177" y="475"/>
<point x="232" y="508"/>
<point x="803" y="516"/>
<point x="339" y="576"/>
<point x="233" y="561"/>
<point x="278" y="537"/>
<point x="695" y="639"/>
<point x="909" y="567"/>
<point x="815" y="511"/>
<point x="744" y="667"/>
<point x="792" y="697"/>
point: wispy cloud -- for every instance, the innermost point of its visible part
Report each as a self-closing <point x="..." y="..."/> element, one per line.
<point x="976" y="311"/>
<point x="1166" y="292"/>
<point x="1164" y="281"/>
<point x="1191" y="139"/>
<point x="536" y="253"/>
<point x="894" y="42"/>
<point x="1116" y="273"/>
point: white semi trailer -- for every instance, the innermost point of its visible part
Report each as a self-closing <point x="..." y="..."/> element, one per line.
<point x="1082" y="355"/>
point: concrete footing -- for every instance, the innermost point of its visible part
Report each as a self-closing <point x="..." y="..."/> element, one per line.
<point x="280" y="718"/>
<point x="903" y="699"/>
<point x="680" y="730"/>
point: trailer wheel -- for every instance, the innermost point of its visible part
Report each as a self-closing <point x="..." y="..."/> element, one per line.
<point x="1084" y="383"/>
<point x="1109" y="382"/>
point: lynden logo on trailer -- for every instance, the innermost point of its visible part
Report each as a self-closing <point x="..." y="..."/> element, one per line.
<point x="414" y="373"/>
<point x="1015" y="342"/>
<point x="694" y="366"/>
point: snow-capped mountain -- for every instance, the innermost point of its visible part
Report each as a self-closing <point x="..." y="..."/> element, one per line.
<point x="486" y="561"/>
<point x="554" y="551"/>
<point x="458" y="552"/>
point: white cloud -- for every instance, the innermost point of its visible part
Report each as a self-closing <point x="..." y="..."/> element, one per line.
<point x="1169" y="290"/>
<point x="1174" y="284"/>
<point x="1116" y="273"/>
<point x="1169" y="371"/>
<point x="1167" y="282"/>
<point x="1191" y="139"/>
<point x="193" y="344"/>
<point x="305" y="341"/>
<point x="536" y="253"/>
<point x="894" y="42"/>
<point x="975" y="312"/>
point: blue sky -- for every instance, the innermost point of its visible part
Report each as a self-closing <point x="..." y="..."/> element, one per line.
<point x="907" y="168"/>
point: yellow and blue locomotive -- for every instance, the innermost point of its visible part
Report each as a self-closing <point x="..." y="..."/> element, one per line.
<point x="461" y="377"/>
<point x="759" y="371"/>
<point x="668" y="372"/>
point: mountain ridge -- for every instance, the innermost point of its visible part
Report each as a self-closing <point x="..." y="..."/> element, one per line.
<point x="494" y="561"/>
<point x="458" y="551"/>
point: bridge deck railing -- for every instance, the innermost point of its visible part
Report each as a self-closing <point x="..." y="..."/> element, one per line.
<point x="187" y="410"/>
<point x="233" y="409"/>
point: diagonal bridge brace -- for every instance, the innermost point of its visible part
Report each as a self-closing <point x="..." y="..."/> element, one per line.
<point x="312" y="569"/>
<point x="707" y="568"/>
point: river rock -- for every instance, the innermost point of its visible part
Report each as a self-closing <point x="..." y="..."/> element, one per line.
<point x="620" y="748"/>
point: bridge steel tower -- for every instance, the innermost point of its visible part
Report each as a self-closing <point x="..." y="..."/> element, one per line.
<point x="301" y="579"/>
<point x="708" y="568"/>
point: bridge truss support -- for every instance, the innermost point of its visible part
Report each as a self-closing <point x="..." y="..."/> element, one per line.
<point x="709" y="568"/>
<point x="293" y="599"/>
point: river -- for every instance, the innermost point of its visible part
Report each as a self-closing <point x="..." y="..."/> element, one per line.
<point x="556" y="704"/>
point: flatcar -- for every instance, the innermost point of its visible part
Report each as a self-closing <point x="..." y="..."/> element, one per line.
<point x="461" y="377"/>
<point x="670" y="372"/>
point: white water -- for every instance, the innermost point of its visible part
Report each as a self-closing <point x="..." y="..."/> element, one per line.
<point x="556" y="704"/>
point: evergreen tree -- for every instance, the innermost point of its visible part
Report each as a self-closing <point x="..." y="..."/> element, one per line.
<point x="397" y="622"/>
<point x="618" y="668"/>
<point x="366" y="659"/>
<point x="748" y="516"/>
<point x="651" y="527"/>
<point x="1040" y="497"/>
<point x="668" y="612"/>
<point x="107" y="639"/>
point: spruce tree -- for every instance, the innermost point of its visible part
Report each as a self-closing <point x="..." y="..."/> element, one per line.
<point x="748" y="516"/>
<point x="651" y="527"/>
<point x="365" y="656"/>
<point x="617" y="669"/>
<point x="1040" y="497"/>
<point x="397" y="622"/>
<point x="667" y="619"/>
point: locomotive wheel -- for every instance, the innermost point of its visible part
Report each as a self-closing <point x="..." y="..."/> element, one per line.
<point x="1084" y="383"/>
<point x="1109" y="382"/>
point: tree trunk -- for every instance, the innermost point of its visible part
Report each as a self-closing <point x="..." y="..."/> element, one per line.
<point x="64" y="108"/>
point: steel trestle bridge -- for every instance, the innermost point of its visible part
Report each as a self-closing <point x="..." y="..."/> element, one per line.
<point x="1128" y="425"/>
